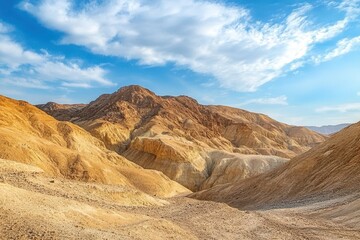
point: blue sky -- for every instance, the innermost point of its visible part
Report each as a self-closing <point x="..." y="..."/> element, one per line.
<point x="296" y="61"/>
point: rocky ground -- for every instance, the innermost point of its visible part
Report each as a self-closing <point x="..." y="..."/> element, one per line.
<point x="36" y="206"/>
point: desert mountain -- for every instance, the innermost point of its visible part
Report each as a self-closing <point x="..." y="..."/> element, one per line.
<point x="328" y="171"/>
<point x="30" y="136"/>
<point x="62" y="112"/>
<point x="328" y="129"/>
<point x="180" y="137"/>
<point x="62" y="183"/>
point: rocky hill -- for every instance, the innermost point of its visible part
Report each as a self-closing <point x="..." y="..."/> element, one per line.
<point x="178" y="136"/>
<point x="63" y="183"/>
<point x="328" y="171"/>
<point x="62" y="149"/>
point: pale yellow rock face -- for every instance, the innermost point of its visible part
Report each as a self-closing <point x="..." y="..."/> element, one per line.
<point x="327" y="171"/>
<point x="176" y="134"/>
<point x="114" y="136"/>
<point x="179" y="159"/>
<point x="231" y="167"/>
<point x="30" y="136"/>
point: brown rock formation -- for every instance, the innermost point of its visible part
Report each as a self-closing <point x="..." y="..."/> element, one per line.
<point x="30" y="136"/>
<point x="176" y="134"/>
<point x="62" y="112"/>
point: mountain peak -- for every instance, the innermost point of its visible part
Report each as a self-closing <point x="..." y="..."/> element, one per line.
<point x="134" y="94"/>
<point x="50" y="106"/>
<point x="134" y="89"/>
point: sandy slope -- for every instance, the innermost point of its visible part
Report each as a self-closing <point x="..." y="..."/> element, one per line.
<point x="327" y="171"/>
<point x="29" y="135"/>
<point x="36" y="206"/>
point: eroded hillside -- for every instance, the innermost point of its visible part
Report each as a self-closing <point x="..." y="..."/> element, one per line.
<point x="327" y="171"/>
<point x="178" y="136"/>
<point x="28" y="135"/>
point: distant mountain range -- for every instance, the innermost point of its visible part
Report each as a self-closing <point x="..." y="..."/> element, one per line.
<point x="328" y="129"/>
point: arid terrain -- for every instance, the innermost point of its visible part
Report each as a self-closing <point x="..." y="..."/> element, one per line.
<point x="188" y="142"/>
<point x="326" y="171"/>
<point x="179" y="120"/>
<point x="133" y="165"/>
<point x="36" y="206"/>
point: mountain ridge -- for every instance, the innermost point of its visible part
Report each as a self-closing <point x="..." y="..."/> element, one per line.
<point x="329" y="129"/>
<point x="177" y="135"/>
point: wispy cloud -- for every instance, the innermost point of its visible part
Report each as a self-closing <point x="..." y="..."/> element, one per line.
<point x="13" y="55"/>
<point x="5" y="28"/>
<point x="342" y="108"/>
<point x="25" y="82"/>
<point x="351" y="7"/>
<point x="281" y="100"/>
<point x="207" y="37"/>
<point x="26" y="68"/>
<point x="344" y="46"/>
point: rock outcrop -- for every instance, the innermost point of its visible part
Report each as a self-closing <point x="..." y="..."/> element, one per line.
<point x="62" y="112"/>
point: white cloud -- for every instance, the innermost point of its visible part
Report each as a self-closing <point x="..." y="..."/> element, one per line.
<point x="205" y="36"/>
<point x="281" y="100"/>
<point x="12" y="54"/>
<point x="72" y="73"/>
<point x="4" y="28"/>
<point x="351" y="7"/>
<point x="343" y="108"/>
<point x="344" y="46"/>
<point x="24" y="82"/>
<point x="26" y="68"/>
